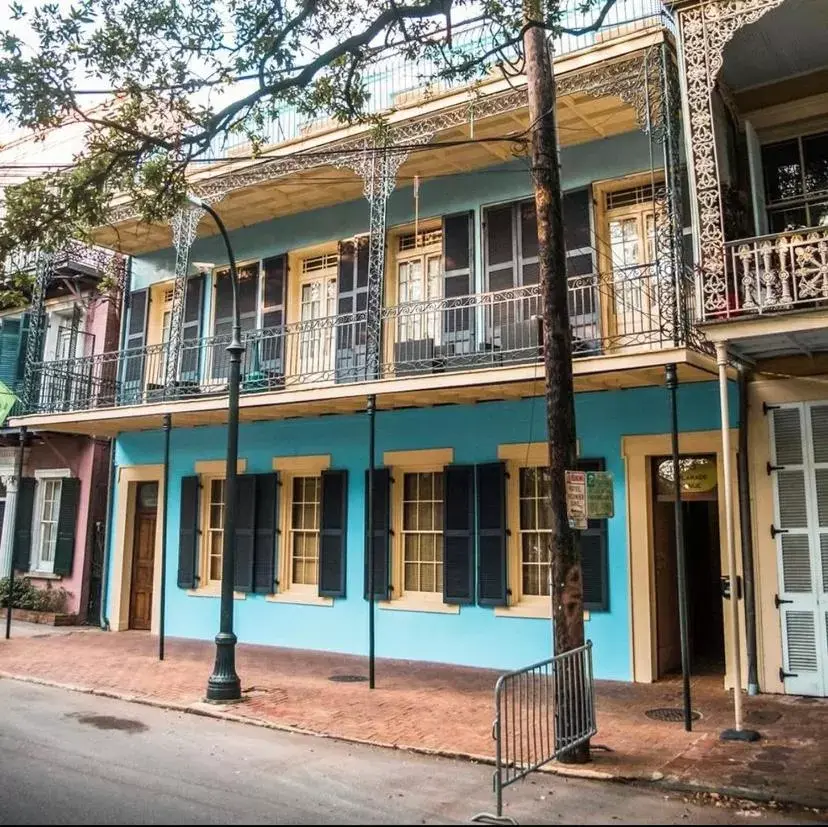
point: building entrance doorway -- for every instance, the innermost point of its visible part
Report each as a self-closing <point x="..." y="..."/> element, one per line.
<point x="143" y="556"/>
<point x="700" y="510"/>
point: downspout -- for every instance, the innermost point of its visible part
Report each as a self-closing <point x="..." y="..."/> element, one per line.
<point x="747" y="538"/>
<point x="111" y="476"/>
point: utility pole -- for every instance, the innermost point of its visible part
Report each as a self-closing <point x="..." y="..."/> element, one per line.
<point x="567" y="587"/>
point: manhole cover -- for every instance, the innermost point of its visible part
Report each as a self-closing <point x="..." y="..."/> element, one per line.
<point x="672" y="714"/>
<point x="347" y="678"/>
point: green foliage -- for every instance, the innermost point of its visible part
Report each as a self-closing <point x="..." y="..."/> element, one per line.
<point x="27" y="596"/>
<point x="175" y="77"/>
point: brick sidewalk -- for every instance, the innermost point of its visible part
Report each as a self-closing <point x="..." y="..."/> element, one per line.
<point x="449" y="709"/>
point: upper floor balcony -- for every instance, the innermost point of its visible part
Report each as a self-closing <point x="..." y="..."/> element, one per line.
<point x="627" y="314"/>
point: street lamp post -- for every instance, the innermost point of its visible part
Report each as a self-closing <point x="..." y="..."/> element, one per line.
<point x="224" y="685"/>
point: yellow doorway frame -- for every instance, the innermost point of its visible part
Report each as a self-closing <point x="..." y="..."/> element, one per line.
<point x="638" y="452"/>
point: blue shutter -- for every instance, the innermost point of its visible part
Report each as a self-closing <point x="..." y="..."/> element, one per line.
<point x="332" y="533"/>
<point x="458" y="534"/>
<point x="491" y="534"/>
<point x="594" y="553"/>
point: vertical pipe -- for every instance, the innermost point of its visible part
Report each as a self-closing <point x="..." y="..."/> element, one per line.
<point x="746" y="534"/>
<point x="681" y="566"/>
<point x="369" y="534"/>
<point x="738" y="733"/>
<point x="164" y="488"/>
<point x="104" y="620"/>
<point x="18" y="473"/>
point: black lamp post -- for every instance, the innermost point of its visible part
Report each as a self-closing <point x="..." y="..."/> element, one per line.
<point x="224" y="685"/>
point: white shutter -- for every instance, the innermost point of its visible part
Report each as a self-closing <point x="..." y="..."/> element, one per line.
<point x="799" y="436"/>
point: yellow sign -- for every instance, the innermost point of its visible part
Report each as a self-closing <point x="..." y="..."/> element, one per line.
<point x="698" y="475"/>
<point x="699" y="478"/>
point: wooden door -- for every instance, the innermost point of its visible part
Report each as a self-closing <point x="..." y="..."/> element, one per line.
<point x="143" y="560"/>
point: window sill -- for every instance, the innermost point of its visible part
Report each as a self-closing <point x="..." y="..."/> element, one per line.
<point x="209" y="591"/>
<point x="43" y="575"/>
<point x="403" y="605"/>
<point x="524" y="610"/>
<point x="300" y="599"/>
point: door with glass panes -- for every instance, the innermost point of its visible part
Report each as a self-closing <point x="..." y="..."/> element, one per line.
<point x="420" y="287"/>
<point x="799" y="467"/>
<point x="317" y="312"/>
<point x="632" y="276"/>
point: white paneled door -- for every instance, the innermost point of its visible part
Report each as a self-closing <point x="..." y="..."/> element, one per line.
<point x="799" y="447"/>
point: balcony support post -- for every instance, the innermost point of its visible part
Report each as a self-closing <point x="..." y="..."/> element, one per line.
<point x="184" y="225"/>
<point x="37" y="329"/>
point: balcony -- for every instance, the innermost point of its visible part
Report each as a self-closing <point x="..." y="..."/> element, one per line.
<point x="768" y="275"/>
<point x="623" y="314"/>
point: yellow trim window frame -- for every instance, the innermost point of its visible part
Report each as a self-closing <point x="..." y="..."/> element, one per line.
<point x="302" y="513"/>
<point x="212" y="538"/>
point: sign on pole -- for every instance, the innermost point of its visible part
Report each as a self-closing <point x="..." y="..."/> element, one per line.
<point x="576" y="501"/>
<point x="599" y="495"/>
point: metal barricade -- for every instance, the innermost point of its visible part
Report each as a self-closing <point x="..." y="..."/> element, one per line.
<point x="541" y="712"/>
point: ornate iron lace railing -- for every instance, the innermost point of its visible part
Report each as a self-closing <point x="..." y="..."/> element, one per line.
<point x="626" y="312"/>
<point x="393" y="80"/>
<point x="769" y="274"/>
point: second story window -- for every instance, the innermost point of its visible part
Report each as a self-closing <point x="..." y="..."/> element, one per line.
<point x="796" y="182"/>
<point x="420" y="279"/>
<point x="317" y="307"/>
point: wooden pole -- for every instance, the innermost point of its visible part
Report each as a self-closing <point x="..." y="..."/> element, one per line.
<point x="567" y="587"/>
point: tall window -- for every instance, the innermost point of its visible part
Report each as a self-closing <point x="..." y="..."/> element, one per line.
<point x="535" y="555"/>
<point x="420" y="279"/>
<point x="215" y="530"/>
<point x="317" y="300"/>
<point x="422" y="526"/>
<point x="46" y="526"/>
<point x="304" y="530"/>
<point x="796" y="182"/>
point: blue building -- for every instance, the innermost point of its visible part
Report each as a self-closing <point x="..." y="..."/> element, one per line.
<point x="408" y="274"/>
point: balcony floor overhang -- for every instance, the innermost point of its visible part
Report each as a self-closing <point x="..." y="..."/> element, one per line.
<point x="601" y="373"/>
<point x="801" y="333"/>
<point x="596" y="87"/>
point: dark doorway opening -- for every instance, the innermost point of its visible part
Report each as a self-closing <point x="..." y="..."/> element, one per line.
<point x="700" y="510"/>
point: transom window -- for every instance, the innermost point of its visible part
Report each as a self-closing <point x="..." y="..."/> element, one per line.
<point x="215" y="530"/>
<point x="423" y="531"/>
<point x="305" y="515"/>
<point x="47" y="523"/>
<point x="535" y="556"/>
<point x="796" y="182"/>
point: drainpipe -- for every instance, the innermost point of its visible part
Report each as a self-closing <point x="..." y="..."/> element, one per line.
<point x="747" y="537"/>
<point x="110" y="484"/>
<point x="165" y="486"/>
<point x="111" y="475"/>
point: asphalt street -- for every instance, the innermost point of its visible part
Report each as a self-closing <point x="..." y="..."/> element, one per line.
<point x="71" y="758"/>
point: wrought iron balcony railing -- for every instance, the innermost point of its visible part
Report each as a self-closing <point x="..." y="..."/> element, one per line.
<point x="631" y="311"/>
<point x="768" y="274"/>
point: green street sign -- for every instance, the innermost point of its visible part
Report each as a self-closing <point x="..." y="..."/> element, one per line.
<point x="600" y="501"/>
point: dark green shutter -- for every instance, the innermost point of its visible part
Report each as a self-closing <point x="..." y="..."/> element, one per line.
<point x="23" y="516"/>
<point x="332" y="533"/>
<point x="492" y="587"/>
<point x="67" y="520"/>
<point x="381" y="535"/>
<point x="21" y="352"/>
<point x="458" y="264"/>
<point x="10" y="334"/>
<point x="352" y="304"/>
<point x="245" y="534"/>
<point x="271" y="357"/>
<point x="191" y="329"/>
<point x="594" y="547"/>
<point x="188" y="533"/>
<point x="132" y="365"/>
<point x="458" y="534"/>
<point x="267" y="522"/>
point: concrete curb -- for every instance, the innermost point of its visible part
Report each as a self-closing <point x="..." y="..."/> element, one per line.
<point x="208" y="710"/>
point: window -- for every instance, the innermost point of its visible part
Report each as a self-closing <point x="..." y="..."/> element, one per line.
<point x="796" y="182"/>
<point x="215" y="529"/>
<point x="303" y="530"/>
<point x="47" y="509"/>
<point x="420" y="279"/>
<point x="317" y="301"/>
<point x="534" y="531"/>
<point x="422" y="528"/>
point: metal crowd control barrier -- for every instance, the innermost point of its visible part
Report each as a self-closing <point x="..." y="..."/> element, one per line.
<point x="541" y="712"/>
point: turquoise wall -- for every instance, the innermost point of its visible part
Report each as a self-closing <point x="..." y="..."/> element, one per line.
<point x="580" y="165"/>
<point x="475" y="636"/>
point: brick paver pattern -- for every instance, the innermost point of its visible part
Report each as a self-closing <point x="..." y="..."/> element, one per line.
<point x="449" y="708"/>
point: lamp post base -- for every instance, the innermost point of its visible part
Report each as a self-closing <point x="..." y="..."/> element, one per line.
<point x="739" y="735"/>
<point x="224" y="686"/>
